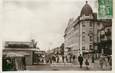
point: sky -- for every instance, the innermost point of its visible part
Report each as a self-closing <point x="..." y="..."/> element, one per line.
<point x="42" y="20"/>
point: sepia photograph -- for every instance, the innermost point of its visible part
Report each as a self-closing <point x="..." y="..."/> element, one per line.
<point x="56" y="35"/>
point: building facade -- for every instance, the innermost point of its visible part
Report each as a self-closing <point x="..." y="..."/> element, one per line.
<point x="25" y="49"/>
<point x="82" y="33"/>
<point x="104" y="35"/>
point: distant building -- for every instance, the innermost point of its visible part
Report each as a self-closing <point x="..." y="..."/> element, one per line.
<point x="81" y="33"/>
<point x="39" y="57"/>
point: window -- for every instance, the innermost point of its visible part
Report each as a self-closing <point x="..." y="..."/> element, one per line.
<point x="83" y="32"/>
<point x="90" y="25"/>
<point x="91" y="47"/>
<point x="83" y="40"/>
<point x="83" y="48"/>
<point x="83" y="25"/>
<point x="83" y="37"/>
<point x="91" y="39"/>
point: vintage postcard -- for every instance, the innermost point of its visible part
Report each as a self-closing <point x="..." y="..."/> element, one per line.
<point x="57" y="35"/>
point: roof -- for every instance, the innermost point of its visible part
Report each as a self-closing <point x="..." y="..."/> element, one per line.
<point x="18" y="44"/>
<point x="19" y="49"/>
<point x="86" y="10"/>
<point x="13" y="54"/>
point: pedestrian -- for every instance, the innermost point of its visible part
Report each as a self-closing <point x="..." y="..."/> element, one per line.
<point x="80" y="59"/>
<point x="70" y="57"/>
<point x="53" y="59"/>
<point x="110" y="63"/>
<point x="101" y="62"/>
<point x="50" y="60"/>
<point x="63" y="58"/>
<point x="92" y="58"/>
<point x="87" y="64"/>
<point x="106" y="62"/>
<point x="57" y="59"/>
<point x="24" y="63"/>
<point x="66" y="59"/>
<point x="73" y="58"/>
<point x="46" y="60"/>
<point x="14" y="65"/>
<point x="108" y="57"/>
<point x="9" y="65"/>
<point x="4" y="63"/>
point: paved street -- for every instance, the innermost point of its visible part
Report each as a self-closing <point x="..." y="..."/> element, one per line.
<point x="67" y="67"/>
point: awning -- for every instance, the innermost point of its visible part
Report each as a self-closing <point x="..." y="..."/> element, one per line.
<point x="13" y="54"/>
<point x="23" y="53"/>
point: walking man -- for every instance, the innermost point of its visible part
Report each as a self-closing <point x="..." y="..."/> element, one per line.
<point x="73" y="58"/>
<point x="80" y="59"/>
<point x="87" y="64"/>
<point x="101" y="61"/>
<point x="67" y="59"/>
<point x="92" y="58"/>
<point x="110" y="63"/>
<point x="63" y="58"/>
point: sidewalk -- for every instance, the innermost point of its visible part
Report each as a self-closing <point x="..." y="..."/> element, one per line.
<point x="68" y="67"/>
<point x="92" y="67"/>
<point x="96" y="66"/>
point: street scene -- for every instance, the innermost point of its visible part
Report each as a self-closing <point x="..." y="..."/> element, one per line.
<point x="56" y="36"/>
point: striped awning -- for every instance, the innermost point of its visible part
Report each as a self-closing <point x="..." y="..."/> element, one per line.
<point x="23" y="53"/>
<point x="13" y="54"/>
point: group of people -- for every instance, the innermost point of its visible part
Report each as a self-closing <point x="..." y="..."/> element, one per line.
<point x="8" y="64"/>
<point x="70" y="58"/>
<point x="81" y="60"/>
<point x="60" y="58"/>
<point x="13" y="64"/>
<point x="53" y="59"/>
<point x="103" y="61"/>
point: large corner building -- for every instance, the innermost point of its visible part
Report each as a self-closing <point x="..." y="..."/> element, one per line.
<point x="82" y="34"/>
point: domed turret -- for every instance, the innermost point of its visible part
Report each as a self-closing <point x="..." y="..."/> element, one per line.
<point x="86" y="10"/>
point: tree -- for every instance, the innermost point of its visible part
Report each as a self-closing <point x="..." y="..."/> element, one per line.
<point x="34" y="43"/>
